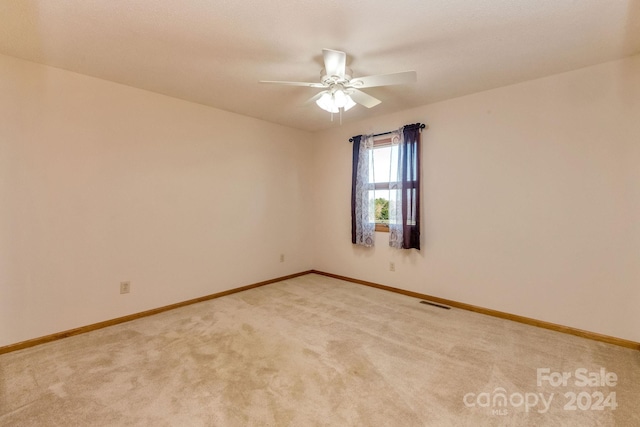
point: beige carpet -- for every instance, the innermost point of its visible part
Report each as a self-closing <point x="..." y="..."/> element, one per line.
<point x="318" y="351"/>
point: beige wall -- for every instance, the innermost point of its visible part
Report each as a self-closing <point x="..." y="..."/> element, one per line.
<point x="531" y="201"/>
<point x="101" y="183"/>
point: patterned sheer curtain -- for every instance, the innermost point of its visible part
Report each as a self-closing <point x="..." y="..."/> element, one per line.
<point x="362" y="209"/>
<point x="396" y="230"/>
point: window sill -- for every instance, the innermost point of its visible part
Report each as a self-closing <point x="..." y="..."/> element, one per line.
<point x="382" y="227"/>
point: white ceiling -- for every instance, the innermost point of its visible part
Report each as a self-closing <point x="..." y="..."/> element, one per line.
<point x="214" y="52"/>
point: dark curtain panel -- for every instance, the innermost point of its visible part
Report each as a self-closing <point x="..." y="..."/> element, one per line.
<point x="410" y="158"/>
<point x="354" y="176"/>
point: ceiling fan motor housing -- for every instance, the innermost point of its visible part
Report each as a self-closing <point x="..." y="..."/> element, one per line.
<point x="331" y="80"/>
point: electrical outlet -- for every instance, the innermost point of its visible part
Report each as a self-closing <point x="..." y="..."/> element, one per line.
<point x="125" y="287"/>
<point x="392" y="266"/>
<point x="281" y="257"/>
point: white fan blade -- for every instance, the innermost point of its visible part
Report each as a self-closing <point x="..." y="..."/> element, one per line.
<point x="401" y="78"/>
<point x="307" y="84"/>
<point x="335" y="62"/>
<point x="362" y="98"/>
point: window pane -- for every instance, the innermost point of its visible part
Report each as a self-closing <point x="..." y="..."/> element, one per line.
<point x="383" y="165"/>
<point x="380" y="164"/>
<point x="379" y="205"/>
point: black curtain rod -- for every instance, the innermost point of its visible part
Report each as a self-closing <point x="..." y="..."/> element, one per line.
<point x="422" y="126"/>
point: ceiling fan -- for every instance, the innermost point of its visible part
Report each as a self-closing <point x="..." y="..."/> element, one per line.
<point x="342" y="90"/>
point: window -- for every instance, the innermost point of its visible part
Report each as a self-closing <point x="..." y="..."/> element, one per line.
<point x="385" y="187"/>
<point x="381" y="169"/>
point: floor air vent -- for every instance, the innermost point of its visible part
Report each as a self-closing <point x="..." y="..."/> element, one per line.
<point x="435" y="305"/>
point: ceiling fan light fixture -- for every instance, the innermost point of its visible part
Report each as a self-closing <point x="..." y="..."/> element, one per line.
<point x="349" y="104"/>
<point x="339" y="98"/>
<point x="334" y="101"/>
<point x="326" y="103"/>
